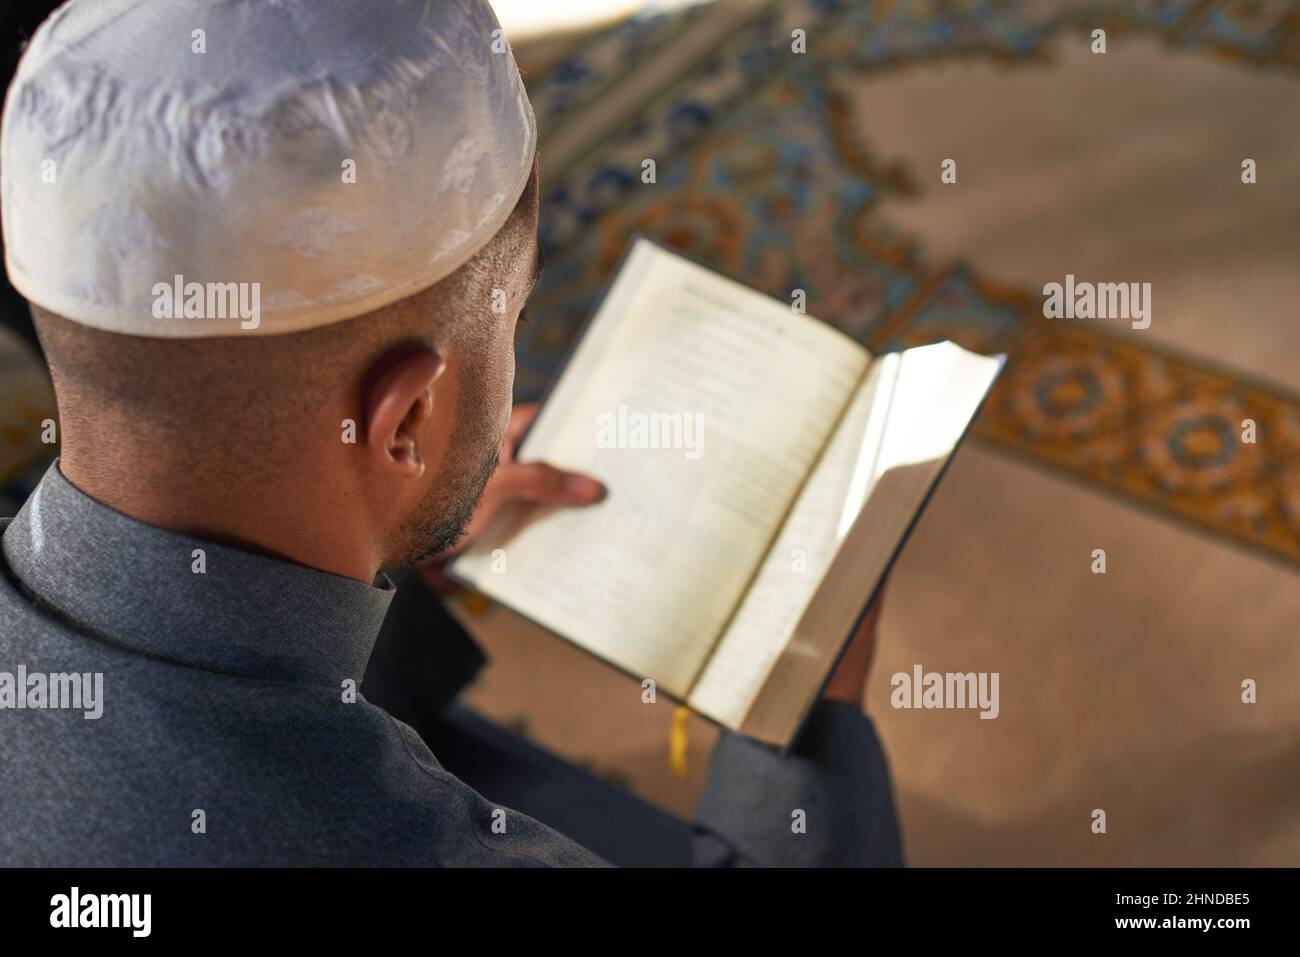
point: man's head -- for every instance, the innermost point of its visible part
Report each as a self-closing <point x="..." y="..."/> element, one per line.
<point x="396" y="415"/>
<point x="366" y="172"/>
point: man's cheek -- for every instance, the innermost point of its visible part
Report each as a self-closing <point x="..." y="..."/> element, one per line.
<point x="506" y="380"/>
<point x="503" y="422"/>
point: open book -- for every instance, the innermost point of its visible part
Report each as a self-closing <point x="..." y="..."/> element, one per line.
<point x="763" y="471"/>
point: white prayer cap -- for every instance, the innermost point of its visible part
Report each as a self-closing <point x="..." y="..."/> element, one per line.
<point x="343" y="154"/>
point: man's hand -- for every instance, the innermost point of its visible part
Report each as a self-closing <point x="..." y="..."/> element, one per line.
<point x="848" y="681"/>
<point x="514" y="481"/>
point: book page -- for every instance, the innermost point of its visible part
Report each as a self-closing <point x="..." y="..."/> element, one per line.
<point x="894" y="439"/>
<point x="800" y="555"/>
<point x="744" y="392"/>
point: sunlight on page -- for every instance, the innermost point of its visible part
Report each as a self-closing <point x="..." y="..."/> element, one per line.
<point x="912" y="408"/>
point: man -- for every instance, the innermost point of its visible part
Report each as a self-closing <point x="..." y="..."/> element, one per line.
<point x="263" y="244"/>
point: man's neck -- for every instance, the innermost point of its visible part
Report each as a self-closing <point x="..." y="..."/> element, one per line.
<point x="291" y="518"/>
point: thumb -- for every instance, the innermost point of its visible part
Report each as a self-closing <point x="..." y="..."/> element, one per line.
<point x="545" y="484"/>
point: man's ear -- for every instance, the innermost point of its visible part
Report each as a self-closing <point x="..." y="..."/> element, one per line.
<point x="399" y="403"/>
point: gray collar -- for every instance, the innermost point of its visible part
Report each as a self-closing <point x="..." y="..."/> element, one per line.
<point x="129" y="584"/>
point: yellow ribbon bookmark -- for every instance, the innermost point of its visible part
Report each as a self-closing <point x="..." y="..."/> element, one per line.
<point x="677" y="741"/>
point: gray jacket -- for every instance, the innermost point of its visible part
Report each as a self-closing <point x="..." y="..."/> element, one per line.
<point x="206" y="716"/>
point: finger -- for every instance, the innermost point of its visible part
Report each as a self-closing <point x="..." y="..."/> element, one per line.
<point x="545" y="484"/>
<point x="873" y="610"/>
<point x="521" y="416"/>
<point x="848" y="681"/>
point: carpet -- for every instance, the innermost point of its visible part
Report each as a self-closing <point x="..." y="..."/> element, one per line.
<point x="764" y="171"/>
